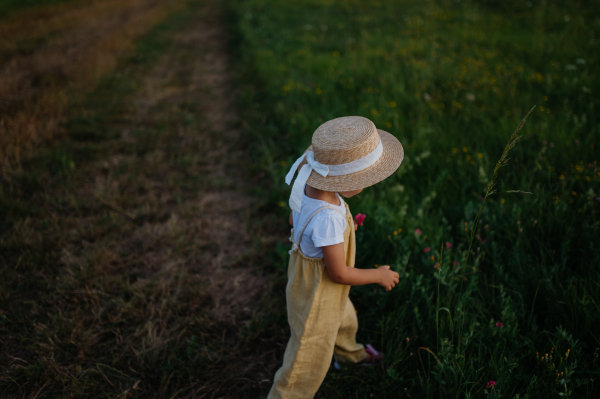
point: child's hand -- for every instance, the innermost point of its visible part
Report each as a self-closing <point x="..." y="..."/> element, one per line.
<point x="388" y="278"/>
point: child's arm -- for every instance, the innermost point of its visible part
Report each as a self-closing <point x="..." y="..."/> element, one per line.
<point x="335" y="261"/>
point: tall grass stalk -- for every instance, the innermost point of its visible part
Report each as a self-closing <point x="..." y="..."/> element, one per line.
<point x="512" y="141"/>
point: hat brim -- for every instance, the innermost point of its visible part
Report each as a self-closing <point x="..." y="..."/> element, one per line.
<point x="386" y="165"/>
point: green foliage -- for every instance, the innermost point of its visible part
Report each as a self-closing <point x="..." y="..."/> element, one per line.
<point x="451" y="80"/>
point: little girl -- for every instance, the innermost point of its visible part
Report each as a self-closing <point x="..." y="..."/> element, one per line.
<point x="347" y="154"/>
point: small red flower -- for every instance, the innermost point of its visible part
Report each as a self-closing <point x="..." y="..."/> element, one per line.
<point x="490" y="384"/>
<point x="455" y="263"/>
<point x="498" y="324"/>
<point x="448" y="245"/>
<point x="427" y="250"/>
<point x="418" y="232"/>
<point x="360" y="218"/>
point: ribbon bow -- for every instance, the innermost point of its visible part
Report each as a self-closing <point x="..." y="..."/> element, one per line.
<point x="303" y="175"/>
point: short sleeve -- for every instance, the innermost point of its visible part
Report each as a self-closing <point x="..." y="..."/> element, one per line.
<point x="328" y="228"/>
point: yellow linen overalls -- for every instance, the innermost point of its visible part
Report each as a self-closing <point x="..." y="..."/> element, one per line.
<point x="322" y="321"/>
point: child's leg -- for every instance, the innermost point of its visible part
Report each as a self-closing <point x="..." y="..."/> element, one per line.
<point x="346" y="348"/>
<point x="315" y="311"/>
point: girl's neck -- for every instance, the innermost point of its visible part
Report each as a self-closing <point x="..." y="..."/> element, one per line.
<point x="327" y="196"/>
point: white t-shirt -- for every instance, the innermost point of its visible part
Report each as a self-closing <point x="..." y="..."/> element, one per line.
<point x="326" y="227"/>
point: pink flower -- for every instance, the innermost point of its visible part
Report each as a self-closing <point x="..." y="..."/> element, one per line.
<point x="490" y="384"/>
<point x="427" y="250"/>
<point x="437" y="265"/>
<point x="360" y="218"/>
<point x="448" y="245"/>
<point x="418" y="232"/>
<point x="498" y="324"/>
<point x="455" y="263"/>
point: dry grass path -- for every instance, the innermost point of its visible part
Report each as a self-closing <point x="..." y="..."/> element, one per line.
<point x="48" y="55"/>
<point x="131" y="260"/>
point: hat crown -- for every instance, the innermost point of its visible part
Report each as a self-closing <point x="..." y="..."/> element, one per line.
<point x="343" y="140"/>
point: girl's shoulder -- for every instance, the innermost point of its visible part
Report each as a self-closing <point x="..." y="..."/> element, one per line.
<point x="329" y="220"/>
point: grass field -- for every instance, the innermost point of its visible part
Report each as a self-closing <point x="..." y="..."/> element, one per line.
<point x="452" y="80"/>
<point x="135" y="263"/>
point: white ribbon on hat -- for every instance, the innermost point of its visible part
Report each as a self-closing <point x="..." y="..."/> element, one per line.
<point x="325" y="170"/>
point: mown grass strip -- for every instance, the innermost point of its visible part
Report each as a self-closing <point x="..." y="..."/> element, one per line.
<point x="109" y="282"/>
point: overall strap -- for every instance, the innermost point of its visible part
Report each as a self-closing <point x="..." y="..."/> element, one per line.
<point x="297" y="244"/>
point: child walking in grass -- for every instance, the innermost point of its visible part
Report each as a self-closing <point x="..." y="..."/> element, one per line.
<point x="347" y="154"/>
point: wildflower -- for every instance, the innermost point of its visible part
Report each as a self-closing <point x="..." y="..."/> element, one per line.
<point x="479" y="155"/>
<point x="432" y="258"/>
<point x="395" y="232"/>
<point x="455" y="263"/>
<point x="376" y="265"/>
<point x="464" y="149"/>
<point x="502" y="200"/>
<point x="282" y="163"/>
<point x="281" y="203"/>
<point x="498" y="324"/>
<point x="562" y="177"/>
<point x="427" y="250"/>
<point x="418" y="232"/>
<point x="399" y="230"/>
<point x="437" y="265"/>
<point x="491" y="384"/>
<point x="392" y="104"/>
<point x="448" y="245"/>
<point x="360" y="218"/>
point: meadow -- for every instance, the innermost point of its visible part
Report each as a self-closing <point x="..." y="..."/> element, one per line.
<point x="143" y="209"/>
<point x="518" y="315"/>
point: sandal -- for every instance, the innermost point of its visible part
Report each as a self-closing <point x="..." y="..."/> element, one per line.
<point x="373" y="357"/>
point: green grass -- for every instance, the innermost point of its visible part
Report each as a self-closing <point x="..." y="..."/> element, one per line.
<point x="451" y="80"/>
<point x="9" y="6"/>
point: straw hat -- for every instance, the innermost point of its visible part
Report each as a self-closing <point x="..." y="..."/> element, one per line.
<point x="347" y="154"/>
